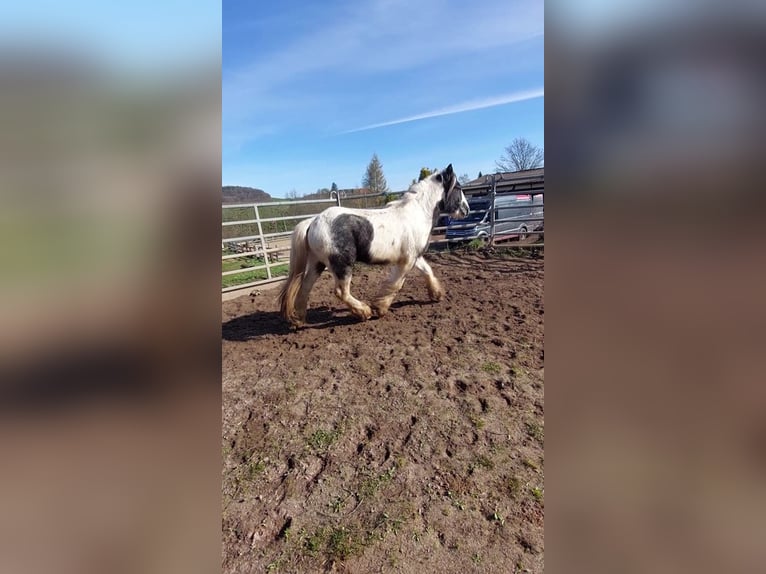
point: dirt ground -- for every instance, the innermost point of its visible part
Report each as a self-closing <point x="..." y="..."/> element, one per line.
<point x="410" y="443"/>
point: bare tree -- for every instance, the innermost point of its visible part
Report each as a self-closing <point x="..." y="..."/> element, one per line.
<point x="521" y="154"/>
<point x="463" y="179"/>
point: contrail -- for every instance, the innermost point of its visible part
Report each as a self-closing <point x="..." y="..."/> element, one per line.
<point x="459" y="108"/>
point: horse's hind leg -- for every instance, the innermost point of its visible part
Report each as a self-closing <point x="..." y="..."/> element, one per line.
<point x="343" y="292"/>
<point x="435" y="290"/>
<point x="390" y="288"/>
<point x="313" y="270"/>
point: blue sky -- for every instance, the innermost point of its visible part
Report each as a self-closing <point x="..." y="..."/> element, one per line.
<point x="312" y="89"/>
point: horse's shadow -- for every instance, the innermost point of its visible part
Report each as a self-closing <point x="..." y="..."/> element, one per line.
<point x="262" y="323"/>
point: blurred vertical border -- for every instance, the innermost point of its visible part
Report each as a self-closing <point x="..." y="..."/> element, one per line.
<point x="110" y="160"/>
<point x="654" y="284"/>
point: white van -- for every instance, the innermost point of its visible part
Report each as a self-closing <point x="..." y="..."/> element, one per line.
<point x="516" y="215"/>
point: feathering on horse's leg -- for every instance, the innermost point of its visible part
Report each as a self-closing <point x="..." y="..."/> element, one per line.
<point x="435" y="290"/>
<point x="390" y="288"/>
<point x="343" y="292"/>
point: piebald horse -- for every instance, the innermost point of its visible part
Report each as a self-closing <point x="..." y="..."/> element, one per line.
<point x="395" y="235"/>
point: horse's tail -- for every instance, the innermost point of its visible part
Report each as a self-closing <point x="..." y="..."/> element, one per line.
<point x="299" y="251"/>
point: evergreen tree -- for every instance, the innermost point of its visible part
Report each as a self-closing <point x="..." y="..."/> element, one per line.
<point x="373" y="178"/>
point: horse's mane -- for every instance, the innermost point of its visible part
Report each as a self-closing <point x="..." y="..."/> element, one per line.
<point x="412" y="194"/>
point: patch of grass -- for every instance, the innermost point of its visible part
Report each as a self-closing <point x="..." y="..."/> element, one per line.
<point x="475" y="244"/>
<point x="456" y="502"/>
<point x="250" y="276"/>
<point x="537" y="493"/>
<point x="531" y="252"/>
<point x="491" y="367"/>
<point x="529" y="464"/>
<point x="386" y="524"/>
<point x="341" y="544"/>
<point x="337" y="505"/>
<point x="475" y="558"/>
<point x="240" y="263"/>
<point x="276" y="565"/>
<point x="253" y="468"/>
<point x="535" y="430"/>
<point x="313" y="542"/>
<point x="478" y="422"/>
<point x="337" y="543"/>
<point x="497" y="518"/>
<point x="370" y="486"/>
<point x="321" y="439"/>
<point x="247" y="473"/>
<point x="514" y="486"/>
<point x="483" y="461"/>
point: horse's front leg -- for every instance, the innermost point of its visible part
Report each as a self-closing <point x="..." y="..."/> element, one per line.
<point x="435" y="290"/>
<point x="390" y="288"/>
<point x="343" y="292"/>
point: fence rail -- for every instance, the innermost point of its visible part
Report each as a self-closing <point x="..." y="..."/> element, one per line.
<point x="260" y="251"/>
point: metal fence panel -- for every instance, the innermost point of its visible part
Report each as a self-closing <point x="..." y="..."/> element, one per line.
<point x="266" y="248"/>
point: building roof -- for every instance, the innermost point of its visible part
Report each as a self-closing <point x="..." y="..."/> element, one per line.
<point x="524" y="180"/>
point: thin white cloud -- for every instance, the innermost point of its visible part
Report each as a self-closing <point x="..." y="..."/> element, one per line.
<point x="460" y="108"/>
<point x="384" y="36"/>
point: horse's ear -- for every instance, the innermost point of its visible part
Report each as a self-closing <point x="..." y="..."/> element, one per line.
<point x="448" y="171"/>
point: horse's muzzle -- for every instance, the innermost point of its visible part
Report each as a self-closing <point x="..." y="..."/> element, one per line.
<point x="464" y="208"/>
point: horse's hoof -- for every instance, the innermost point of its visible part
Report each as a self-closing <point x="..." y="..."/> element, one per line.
<point x="435" y="291"/>
<point x="380" y="307"/>
<point x="363" y="313"/>
<point x="381" y="311"/>
<point x="436" y="296"/>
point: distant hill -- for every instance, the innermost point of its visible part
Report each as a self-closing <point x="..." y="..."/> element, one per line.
<point x="239" y="194"/>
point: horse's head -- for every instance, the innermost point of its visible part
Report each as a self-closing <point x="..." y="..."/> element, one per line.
<point x="453" y="201"/>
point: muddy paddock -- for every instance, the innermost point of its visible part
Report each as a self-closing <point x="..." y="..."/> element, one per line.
<point x="411" y="443"/>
